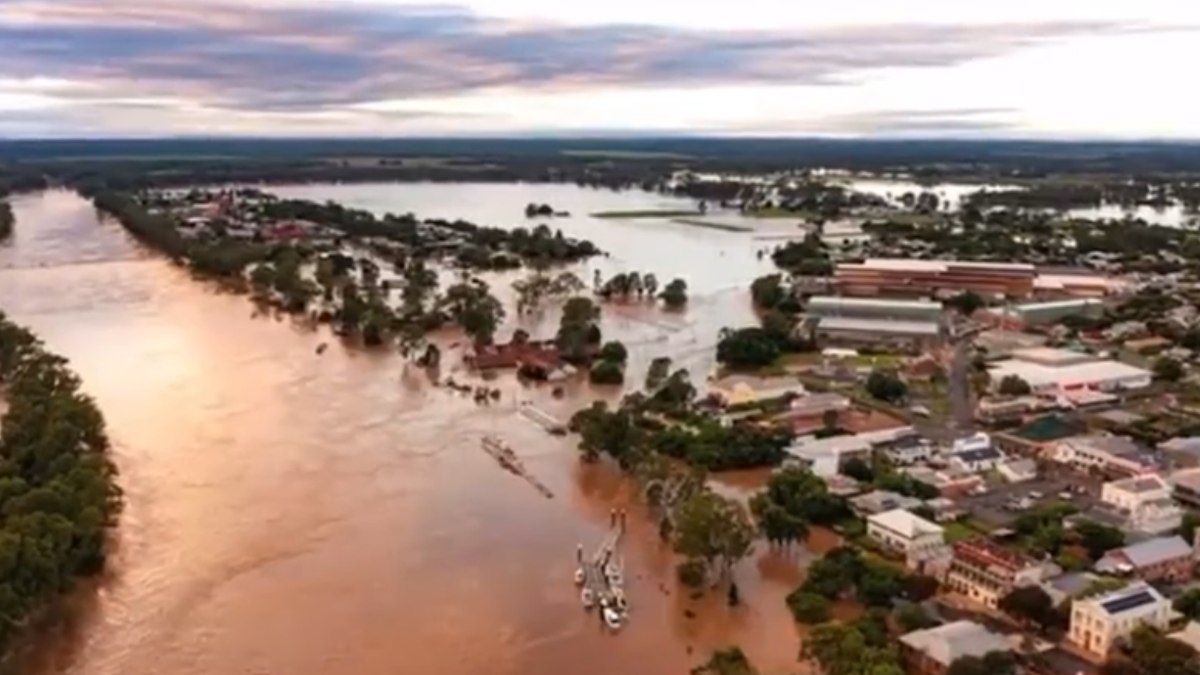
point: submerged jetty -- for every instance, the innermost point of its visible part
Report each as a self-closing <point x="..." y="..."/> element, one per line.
<point x="508" y="460"/>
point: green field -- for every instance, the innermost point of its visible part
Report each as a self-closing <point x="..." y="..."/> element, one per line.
<point x="712" y="225"/>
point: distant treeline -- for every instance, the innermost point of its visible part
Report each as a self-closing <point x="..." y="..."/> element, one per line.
<point x="937" y="156"/>
<point x="58" y="495"/>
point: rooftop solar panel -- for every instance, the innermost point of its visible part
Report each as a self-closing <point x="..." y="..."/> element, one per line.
<point x="1123" y="604"/>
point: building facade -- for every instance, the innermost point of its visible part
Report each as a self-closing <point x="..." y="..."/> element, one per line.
<point x="907" y="277"/>
<point x="1163" y="559"/>
<point x="1115" y="456"/>
<point x="1099" y="623"/>
<point x="1146" y="500"/>
<point x="984" y="572"/>
<point x="904" y="532"/>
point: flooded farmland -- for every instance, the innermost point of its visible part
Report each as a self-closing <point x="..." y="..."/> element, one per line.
<point x="296" y="513"/>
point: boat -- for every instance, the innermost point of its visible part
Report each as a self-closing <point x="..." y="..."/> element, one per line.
<point x="612" y="618"/>
<point x="579" y="577"/>
<point x="586" y="597"/>
<point x="619" y="599"/>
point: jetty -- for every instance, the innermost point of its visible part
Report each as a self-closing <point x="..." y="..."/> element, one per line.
<point x="542" y="418"/>
<point x="601" y="577"/>
<point x="508" y="460"/>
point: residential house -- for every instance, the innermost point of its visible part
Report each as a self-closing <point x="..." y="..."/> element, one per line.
<point x="1161" y="559"/>
<point x="1186" y="487"/>
<point x="977" y="460"/>
<point x="953" y="481"/>
<point x="880" y="501"/>
<point x="1182" y="451"/>
<point x="904" y="531"/>
<point x="1147" y="501"/>
<point x="1069" y="585"/>
<point x="931" y="651"/>
<point x="1099" y="623"/>
<point x="984" y="571"/>
<point x="907" y="451"/>
<point x="1114" y="456"/>
<point x="742" y="390"/>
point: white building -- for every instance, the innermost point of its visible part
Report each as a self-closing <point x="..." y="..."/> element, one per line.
<point x="904" y="531"/>
<point x="1147" y="500"/>
<point x="1048" y="370"/>
<point x="1098" y="623"/>
<point x="1111" y="455"/>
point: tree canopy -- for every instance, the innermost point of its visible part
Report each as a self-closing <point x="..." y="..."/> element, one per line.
<point x="58" y="494"/>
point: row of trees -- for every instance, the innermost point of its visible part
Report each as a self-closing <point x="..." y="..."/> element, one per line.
<point x="58" y="494"/>
<point x="843" y="570"/>
<point x="760" y="346"/>
<point x="6" y="220"/>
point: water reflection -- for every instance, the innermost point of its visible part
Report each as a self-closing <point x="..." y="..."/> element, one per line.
<point x="295" y="513"/>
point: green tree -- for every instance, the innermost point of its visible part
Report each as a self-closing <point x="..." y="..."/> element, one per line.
<point x="1098" y="538"/>
<point x="674" y="295"/>
<point x="1187" y="528"/>
<point x="992" y="663"/>
<point x="1157" y="654"/>
<point x="886" y="386"/>
<point x="614" y="351"/>
<point x="475" y="309"/>
<point x="714" y="529"/>
<point x="747" y="348"/>
<point x="912" y="616"/>
<point x="1014" y="385"/>
<point x="808" y="608"/>
<point x="1188" y="604"/>
<point x="768" y="292"/>
<point x="967" y="303"/>
<point x="578" y="330"/>
<point x="657" y="373"/>
<point x="606" y="372"/>
<point x="729" y="661"/>
<point x="1167" y="369"/>
<point x="859" y="470"/>
<point x="1030" y="605"/>
<point x="844" y="649"/>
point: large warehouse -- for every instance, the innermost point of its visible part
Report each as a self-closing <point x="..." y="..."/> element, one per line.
<point x="850" y="317"/>
<point x="1047" y="370"/>
<point x="882" y="276"/>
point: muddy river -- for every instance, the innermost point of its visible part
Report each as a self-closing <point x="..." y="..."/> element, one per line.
<point x="296" y="513"/>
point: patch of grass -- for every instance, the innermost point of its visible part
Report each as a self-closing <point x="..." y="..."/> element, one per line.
<point x="958" y="530"/>
<point x="646" y="213"/>
<point x="776" y="212"/>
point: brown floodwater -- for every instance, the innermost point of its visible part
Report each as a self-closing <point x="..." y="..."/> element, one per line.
<point x="296" y="513"/>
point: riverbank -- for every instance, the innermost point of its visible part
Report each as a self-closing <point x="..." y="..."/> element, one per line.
<point x="61" y="497"/>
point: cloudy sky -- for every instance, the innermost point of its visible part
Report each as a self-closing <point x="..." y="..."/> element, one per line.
<point x="1015" y="68"/>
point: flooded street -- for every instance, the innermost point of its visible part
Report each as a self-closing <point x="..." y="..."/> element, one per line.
<point x="300" y="514"/>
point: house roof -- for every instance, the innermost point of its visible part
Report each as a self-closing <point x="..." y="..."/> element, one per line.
<point x="904" y="523"/>
<point x="1131" y="597"/>
<point x="948" y="643"/>
<point x="1142" y="484"/>
<point x="1145" y="554"/>
<point x="978" y="454"/>
<point x="883" y="500"/>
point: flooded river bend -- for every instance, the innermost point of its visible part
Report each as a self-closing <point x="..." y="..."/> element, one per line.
<point x="300" y="514"/>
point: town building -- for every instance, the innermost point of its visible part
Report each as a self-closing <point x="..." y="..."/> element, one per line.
<point x="1018" y="470"/>
<point x="907" y="451"/>
<point x="879" y="501"/>
<point x="1168" y="559"/>
<point x="1114" y="456"/>
<point x="904" y="531"/>
<point x="1053" y="311"/>
<point x="874" y="318"/>
<point x="741" y="389"/>
<point x="909" y="277"/>
<point x="1185" y="487"/>
<point x="1099" y="623"/>
<point x="931" y="651"/>
<point x="1145" y="501"/>
<point x="1182" y="451"/>
<point x="1047" y="370"/>
<point x="984" y="571"/>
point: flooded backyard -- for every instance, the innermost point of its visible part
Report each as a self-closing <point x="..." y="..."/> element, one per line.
<point x="296" y="513"/>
